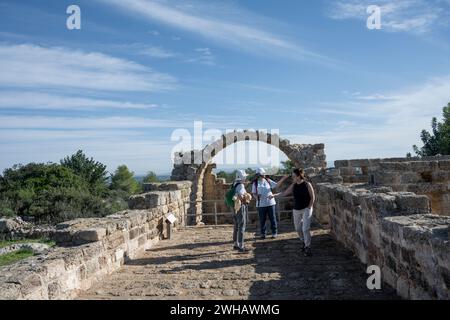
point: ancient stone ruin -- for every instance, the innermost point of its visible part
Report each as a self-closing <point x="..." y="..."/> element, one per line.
<point x="193" y="165"/>
<point x="393" y="213"/>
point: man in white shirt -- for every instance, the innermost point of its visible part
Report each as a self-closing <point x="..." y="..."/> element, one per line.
<point x="265" y="202"/>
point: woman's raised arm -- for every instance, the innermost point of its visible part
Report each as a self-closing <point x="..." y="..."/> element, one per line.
<point x="287" y="192"/>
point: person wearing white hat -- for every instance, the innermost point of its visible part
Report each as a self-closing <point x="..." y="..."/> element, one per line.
<point x="262" y="188"/>
<point x="240" y="217"/>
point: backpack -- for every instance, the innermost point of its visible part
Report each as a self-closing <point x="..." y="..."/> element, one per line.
<point x="230" y="194"/>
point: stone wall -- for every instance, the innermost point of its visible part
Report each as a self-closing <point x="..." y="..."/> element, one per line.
<point x="215" y="189"/>
<point x="426" y="176"/>
<point x="415" y="260"/>
<point x="359" y="170"/>
<point x="16" y="229"/>
<point x="89" y="249"/>
<point x="416" y="251"/>
<point x="430" y="178"/>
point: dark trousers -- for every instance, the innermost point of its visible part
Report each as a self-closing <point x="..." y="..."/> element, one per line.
<point x="263" y="213"/>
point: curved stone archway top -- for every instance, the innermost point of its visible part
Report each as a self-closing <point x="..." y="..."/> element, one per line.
<point x="307" y="156"/>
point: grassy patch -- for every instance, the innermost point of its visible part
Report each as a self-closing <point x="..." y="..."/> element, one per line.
<point x="15" y="256"/>
<point x="4" y="243"/>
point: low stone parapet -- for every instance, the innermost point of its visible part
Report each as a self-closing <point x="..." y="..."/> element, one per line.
<point x="378" y="225"/>
<point x="16" y="229"/>
<point x="416" y="256"/>
<point x="91" y="248"/>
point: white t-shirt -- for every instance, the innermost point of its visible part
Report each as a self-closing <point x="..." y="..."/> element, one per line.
<point x="264" y="192"/>
<point x="240" y="189"/>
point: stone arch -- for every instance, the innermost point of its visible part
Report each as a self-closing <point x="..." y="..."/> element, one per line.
<point x="192" y="165"/>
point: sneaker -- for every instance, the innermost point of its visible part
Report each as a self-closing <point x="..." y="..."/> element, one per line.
<point x="242" y="250"/>
<point x="235" y="248"/>
<point x="274" y="236"/>
<point x="307" y="252"/>
<point x="263" y="237"/>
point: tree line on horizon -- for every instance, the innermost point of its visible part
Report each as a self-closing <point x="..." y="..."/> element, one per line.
<point x="76" y="187"/>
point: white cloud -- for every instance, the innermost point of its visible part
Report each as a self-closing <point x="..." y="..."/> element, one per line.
<point x="237" y="35"/>
<point x="399" y="121"/>
<point x="157" y="52"/>
<point x="205" y="51"/>
<point x="415" y="16"/>
<point x="36" y="66"/>
<point x="36" y="100"/>
<point x="46" y="122"/>
<point x="205" y="56"/>
<point x="117" y="122"/>
<point x="111" y="140"/>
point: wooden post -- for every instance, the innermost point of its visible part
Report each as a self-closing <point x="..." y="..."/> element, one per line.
<point x="215" y="212"/>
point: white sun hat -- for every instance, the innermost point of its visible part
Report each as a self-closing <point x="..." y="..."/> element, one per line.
<point x="241" y="175"/>
<point x="261" y="171"/>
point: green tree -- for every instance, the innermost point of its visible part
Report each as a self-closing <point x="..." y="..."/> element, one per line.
<point x="49" y="192"/>
<point x="123" y="180"/>
<point x="150" y="177"/>
<point x="93" y="172"/>
<point x="438" y="141"/>
<point x="287" y="167"/>
<point x="229" y="177"/>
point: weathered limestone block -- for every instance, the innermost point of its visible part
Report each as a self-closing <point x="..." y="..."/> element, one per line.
<point x="89" y="235"/>
<point x="133" y="233"/>
<point x="426" y="188"/>
<point x="148" y="200"/>
<point x="387" y="178"/>
<point x="444" y="165"/>
<point x="412" y="203"/>
<point x="167" y="186"/>
<point x="422" y="241"/>
<point x="380" y="205"/>
<point x="424" y="166"/>
<point x="341" y="164"/>
<point x="440" y="176"/>
<point x="410" y="177"/>
<point x="359" y="163"/>
<point x="8" y="225"/>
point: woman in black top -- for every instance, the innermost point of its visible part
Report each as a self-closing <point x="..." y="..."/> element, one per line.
<point x="304" y="198"/>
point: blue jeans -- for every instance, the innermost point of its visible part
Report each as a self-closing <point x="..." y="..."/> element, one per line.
<point x="263" y="213"/>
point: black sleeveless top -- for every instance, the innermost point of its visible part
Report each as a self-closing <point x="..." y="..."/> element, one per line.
<point x="301" y="196"/>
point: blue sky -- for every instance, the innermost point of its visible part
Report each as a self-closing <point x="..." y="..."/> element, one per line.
<point x="140" y="69"/>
